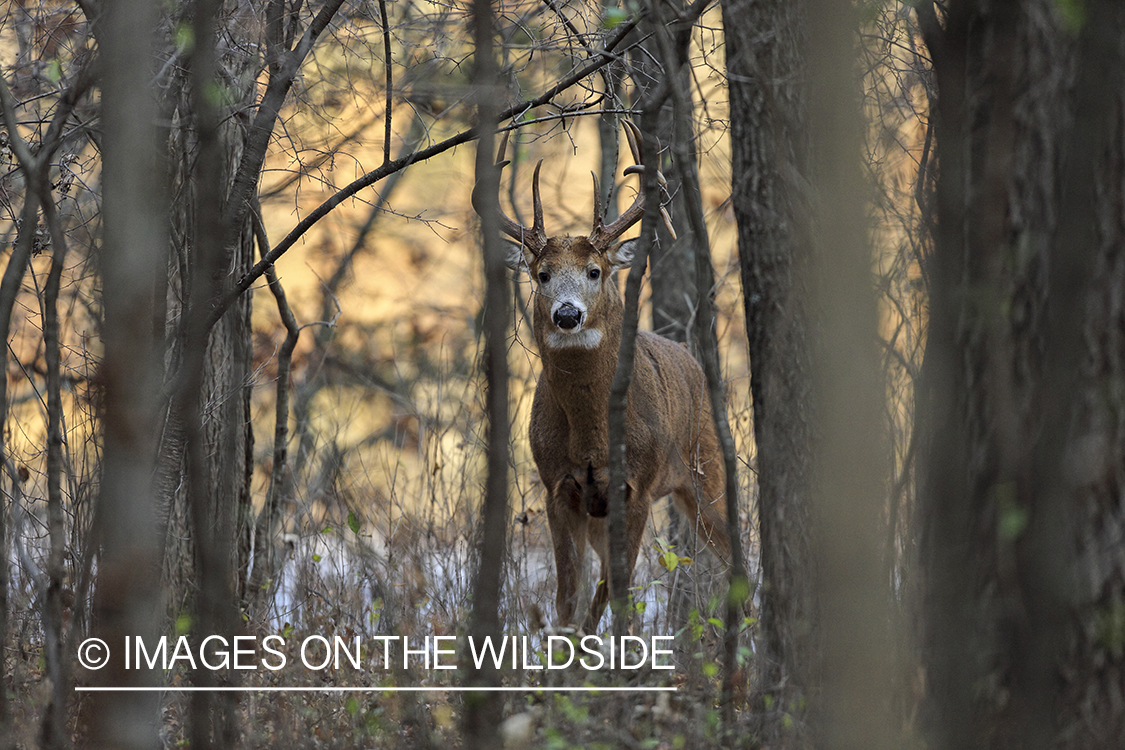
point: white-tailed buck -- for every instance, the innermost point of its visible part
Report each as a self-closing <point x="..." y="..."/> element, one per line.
<point x="670" y="441"/>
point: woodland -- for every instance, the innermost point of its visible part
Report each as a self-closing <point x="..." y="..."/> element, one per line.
<point x="265" y="470"/>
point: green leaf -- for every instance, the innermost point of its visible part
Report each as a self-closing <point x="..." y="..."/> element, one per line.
<point x="739" y="591"/>
<point x="1011" y="516"/>
<point x="1073" y="13"/>
<point x="183" y="624"/>
<point x="54" y="71"/>
<point x="316" y="557"/>
<point x="614" y="17"/>
<point x="183" y="37"/>
<point x="353" y="522"/>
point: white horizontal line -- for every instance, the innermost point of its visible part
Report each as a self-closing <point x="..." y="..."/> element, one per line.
<point x="527" y="689"/>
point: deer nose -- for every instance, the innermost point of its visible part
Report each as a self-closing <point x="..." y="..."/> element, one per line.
<point x="567" y="316"/>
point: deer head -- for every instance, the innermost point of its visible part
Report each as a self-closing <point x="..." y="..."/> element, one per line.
<point x="574" y="274"/>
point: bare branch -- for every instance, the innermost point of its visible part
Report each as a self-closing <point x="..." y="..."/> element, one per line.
<point x="390" y="168"/>
<point x="390" y="88"/>
<point x="267" y="519"/>
<point x="19" y="146"/>
<point x="254" y="154"/>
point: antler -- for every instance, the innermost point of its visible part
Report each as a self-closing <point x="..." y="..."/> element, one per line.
<point x="602" y="235"/>
<point x="535" y="238"/>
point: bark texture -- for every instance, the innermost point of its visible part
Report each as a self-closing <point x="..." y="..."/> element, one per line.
<point x="769" y="155"/>
<point x="1021" y="482"/>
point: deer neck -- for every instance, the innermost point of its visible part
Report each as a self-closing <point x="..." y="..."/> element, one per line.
<point x="579" y="379"/>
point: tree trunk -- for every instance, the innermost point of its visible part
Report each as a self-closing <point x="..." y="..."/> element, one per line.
<point x="1021" y="486"/>
<point x="224" y="400"/>
<point x="674" y="296"/>
<point x="127" y="596"/>
<point x="483" y="710"/>
<point x="671" y="265"/>
<point x="769" y="152"/>
<point x="850" y="460"/>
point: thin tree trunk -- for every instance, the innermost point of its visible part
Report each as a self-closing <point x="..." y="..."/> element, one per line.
<point x="675" y="298"/>
<point x="623" y="376"/>
<point x="9" y="289"/>
<point x="482" y="710"/>
<point x="54" y="721"/>
<point x="264" y="569"/>
<point x="212" y="508"/>
<point x="35" y="169"/>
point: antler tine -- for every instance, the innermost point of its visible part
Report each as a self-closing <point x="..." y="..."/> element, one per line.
<point x="533" y="239"/>
<point x="539" y="234"/>
<point x="503" y="148"/>
<point x="668" y="222"/>
<point x="603" y="234"/>
<point x="597" y="205"/>
<point x="633" y="135"/>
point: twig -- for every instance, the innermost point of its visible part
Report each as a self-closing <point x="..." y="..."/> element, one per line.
<point x="249" y="168"/>
<point x="387" y="67"/>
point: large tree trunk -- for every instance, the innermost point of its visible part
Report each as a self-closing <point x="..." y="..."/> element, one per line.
<point x="769" y="150"/>
<point x="127" y="593"/>
<point x="1020" y="397"/>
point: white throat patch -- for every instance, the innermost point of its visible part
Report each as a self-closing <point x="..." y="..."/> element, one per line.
<point x="587" y="338"/>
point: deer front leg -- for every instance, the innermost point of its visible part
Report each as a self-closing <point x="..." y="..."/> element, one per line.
<point x="636" y="516"/>
<point x="568" y="536"/>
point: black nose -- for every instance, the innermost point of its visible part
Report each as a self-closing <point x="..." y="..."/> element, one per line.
<point x="567" y="317"/>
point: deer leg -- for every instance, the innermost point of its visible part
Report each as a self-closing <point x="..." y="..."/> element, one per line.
<point x="636" y="516"/>
<point x="597" y="606"/>
<point x="708" y="518"/>
<point x="568" y="536"/>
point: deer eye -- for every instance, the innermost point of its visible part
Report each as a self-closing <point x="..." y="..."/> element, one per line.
<point x="594" y="273"/>
<point x="544" y="277"/>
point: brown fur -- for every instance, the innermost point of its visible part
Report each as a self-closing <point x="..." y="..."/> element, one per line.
<point x="670" y="442"/>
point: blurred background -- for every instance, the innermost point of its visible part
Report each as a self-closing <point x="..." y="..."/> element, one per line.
<point x="306" y="439"/>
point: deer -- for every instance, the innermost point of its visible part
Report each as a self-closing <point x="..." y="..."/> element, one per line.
<point x="670" y="442"/>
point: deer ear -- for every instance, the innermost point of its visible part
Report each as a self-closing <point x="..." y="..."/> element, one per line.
<point x="517" y="257"/>
<point x="622" y="255"/>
